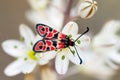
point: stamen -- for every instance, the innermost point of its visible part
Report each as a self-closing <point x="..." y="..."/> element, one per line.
<point x="31" y="55"/>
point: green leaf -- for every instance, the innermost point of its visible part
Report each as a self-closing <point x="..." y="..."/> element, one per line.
<point x="78" y="41"/>
<point x="63" y="57"/>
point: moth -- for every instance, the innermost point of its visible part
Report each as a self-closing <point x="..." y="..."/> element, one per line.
<point x="54" y="40"/>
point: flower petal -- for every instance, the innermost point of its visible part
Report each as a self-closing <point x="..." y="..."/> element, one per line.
<point x="110" y="27"/>
<point x="45" y="57"/>
<point x="36" y="17"/>
<point x="107" y="36"/>
<point x="45" y="17"/>
<point x="29" y="66"/>
<point x="52" y="14"/>
<point x="112" y="65"/>
<point x="38" y="5"/>
<point x="70" y="28"/>
<point x="43" y="62"/>
<point x="14" y="68"/>
<point x="14" y="48"/>
<point x="114" y="56"/>
<point x="84" y="41"/>
<point x="101" y="40"/>
<point x="61" y="63"/>
<point x="27" y="35"/>
<point x="37" y="37"/>
<point x="48" y="55"/>
<point x="74" y="57"/>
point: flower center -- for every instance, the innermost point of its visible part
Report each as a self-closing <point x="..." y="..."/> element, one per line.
<point x="31" y="55"/>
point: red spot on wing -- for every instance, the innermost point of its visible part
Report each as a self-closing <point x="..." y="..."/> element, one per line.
<point x="50" y="35"/>
<point x="47" y="29"/>
<point x="44" y="48"/>
<point x="55" y="31"/>
<point x="40" y="30"/>
<point x="60" y="45"/>
<point x="49" y="43"/>
<point x="52" y="48"/>
<point x="62" y="36"/>
<point x="37" y="47"/>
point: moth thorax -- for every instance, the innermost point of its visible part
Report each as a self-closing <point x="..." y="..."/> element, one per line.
<point x="71" y="43"/>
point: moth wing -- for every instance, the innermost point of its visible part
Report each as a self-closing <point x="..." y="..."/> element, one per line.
<point x="46" y="31"/>
<point x="48" y="45"/>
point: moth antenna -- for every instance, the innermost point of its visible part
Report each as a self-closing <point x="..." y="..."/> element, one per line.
<point x="82" y="34"/>
<point x="77" y="54"/>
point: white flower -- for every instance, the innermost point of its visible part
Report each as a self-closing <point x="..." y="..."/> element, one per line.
<point x="108" y="41"/>
<point x="87" y="8"/>
<point x="25" y="61"/>
<point x="52" y="15"/>
<point x="104" y="52"/>
<point x="64" y="55"/>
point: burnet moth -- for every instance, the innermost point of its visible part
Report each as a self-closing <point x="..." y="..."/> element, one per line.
<point x="53" y="40"/>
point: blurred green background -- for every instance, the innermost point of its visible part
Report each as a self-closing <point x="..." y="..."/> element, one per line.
<point x="12" y="14"/>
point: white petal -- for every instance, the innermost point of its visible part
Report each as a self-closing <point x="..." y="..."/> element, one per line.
<point x="35" y="17"/>
<point x="112" y="65"/>
<point x="38" y="5"/>
<point x="114" y="56"/>
<point x="53" y="17"/>
<point x="27" y="34"/>
<point x="45" y="18"/>
<point x="29" y="66"/>
<point x="75" y="58"/>
<point x="61" y="65"/>
<point x="37" y="37"/>
<point x="107" y="36"/>
<point x="70" y="28"/>
<point x="48" y="55"/>
<point x="110" y="27"/>
<point x="102" y="40"/>
<point x="14" y="48"/>
<point x="84" y="41"/>
<point x="45" y="57"/>
<point x="14" y="68"/>
<point x="42" y="61"/>
<point x="59" y="4"/>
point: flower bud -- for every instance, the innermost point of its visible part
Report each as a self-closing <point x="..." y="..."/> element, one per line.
<point x="87" y="8"/>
